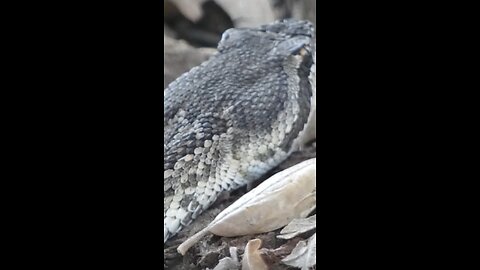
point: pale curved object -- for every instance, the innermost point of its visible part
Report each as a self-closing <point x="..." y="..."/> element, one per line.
<point x="273" y="204"/>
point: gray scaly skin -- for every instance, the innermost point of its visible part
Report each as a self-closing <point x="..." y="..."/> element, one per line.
<point x="238" y="115"/>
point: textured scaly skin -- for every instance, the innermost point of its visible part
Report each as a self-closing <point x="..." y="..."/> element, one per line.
<point x="238" y="115"/>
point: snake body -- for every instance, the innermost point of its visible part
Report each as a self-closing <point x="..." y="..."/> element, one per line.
<point x="236" y="116"/>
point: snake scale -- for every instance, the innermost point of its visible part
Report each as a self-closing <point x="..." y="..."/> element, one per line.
<point x="236" y="116"/>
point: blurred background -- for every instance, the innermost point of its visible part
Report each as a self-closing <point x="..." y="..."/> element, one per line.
<point x="192" y="28"/>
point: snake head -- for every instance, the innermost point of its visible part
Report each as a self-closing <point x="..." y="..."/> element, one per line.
<point x="282" y="38"/>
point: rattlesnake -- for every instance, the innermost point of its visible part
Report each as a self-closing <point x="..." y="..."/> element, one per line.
<point x="236" y="116"/>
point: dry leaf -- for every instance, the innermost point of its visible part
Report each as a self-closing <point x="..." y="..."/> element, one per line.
<point x="303" y="256"/>
<point x="283" y="197"/>
<point x="252" y="259"/>
<point x="298" y="226"/>
<point x="290" y="193"/>
<point x="229" y="263"/>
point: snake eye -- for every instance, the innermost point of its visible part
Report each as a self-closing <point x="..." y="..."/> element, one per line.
<point x="302" y="51"/>
<point x="225" y="36"/>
